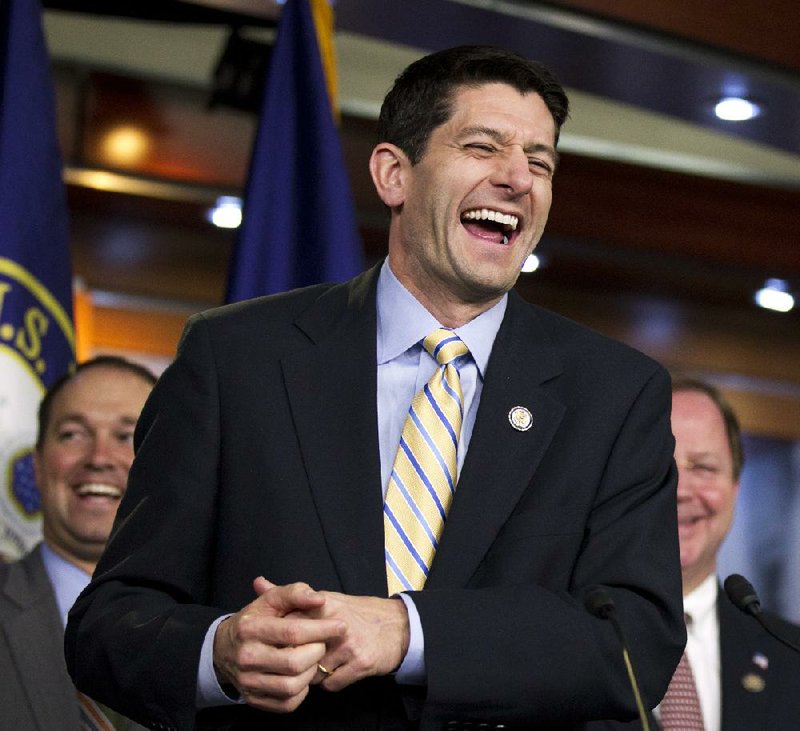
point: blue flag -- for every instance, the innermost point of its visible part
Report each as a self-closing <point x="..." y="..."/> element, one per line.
<point x="299" y="223"/>
<point x="36" y="333"/>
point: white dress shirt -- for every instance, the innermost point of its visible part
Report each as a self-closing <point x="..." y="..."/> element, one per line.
<point x="702" y="647"/>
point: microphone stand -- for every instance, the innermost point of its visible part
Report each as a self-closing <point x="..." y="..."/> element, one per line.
<point x="601" y="605"/>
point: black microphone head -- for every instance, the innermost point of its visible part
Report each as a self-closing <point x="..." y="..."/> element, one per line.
<point x="599" y="603"/>
<point x="741" y="592"/>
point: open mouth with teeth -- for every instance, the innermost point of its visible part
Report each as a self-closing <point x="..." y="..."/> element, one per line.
<point x="98" y="490"/>
<point x="500" y="228"/>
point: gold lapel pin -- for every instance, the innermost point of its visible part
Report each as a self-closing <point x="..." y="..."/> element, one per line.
<point x="753" y="683"/>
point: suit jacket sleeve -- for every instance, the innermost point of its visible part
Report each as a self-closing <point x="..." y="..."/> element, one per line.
<point x="133" y="641"/>
<point x="223" y="489"/>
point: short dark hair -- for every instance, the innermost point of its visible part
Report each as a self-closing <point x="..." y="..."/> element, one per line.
<point x="732" y="428"/>
<point x="105" y="361"/>
<point x="421" y="98"/>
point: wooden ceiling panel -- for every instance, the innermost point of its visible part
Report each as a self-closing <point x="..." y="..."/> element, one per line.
<point x="181" y="138"/>
<point x="713" y="221"/>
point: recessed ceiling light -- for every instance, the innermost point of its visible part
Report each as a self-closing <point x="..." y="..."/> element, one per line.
<point x="531" y="264"/>
<point x="227" y="213"/>
<point x="126" y="145"/>
<point x="775" y="295"/>
<point x="736" y="109"/>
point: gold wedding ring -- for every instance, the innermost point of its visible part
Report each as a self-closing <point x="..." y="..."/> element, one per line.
<point x="324" y="670"/>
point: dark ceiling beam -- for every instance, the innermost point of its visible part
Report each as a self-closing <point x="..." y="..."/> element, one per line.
<point x="646" y="69"/>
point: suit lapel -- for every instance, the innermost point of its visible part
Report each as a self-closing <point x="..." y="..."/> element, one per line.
<point x="332" y="387"/>
<point x="332" y="391"/>
<point x="33" y="636"/>
<point x="744" y="685"/>
<point x="501" y="460"/>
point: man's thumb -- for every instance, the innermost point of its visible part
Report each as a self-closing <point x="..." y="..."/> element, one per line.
<point x="260" y="585"/>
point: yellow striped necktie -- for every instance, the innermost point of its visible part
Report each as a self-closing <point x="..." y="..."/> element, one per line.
<point x="424" y="475"/>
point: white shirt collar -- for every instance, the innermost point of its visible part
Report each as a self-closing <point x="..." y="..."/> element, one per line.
<point x="701" y="602"/>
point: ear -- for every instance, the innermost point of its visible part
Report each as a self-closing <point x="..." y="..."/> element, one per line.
<point x="388" y="166"/>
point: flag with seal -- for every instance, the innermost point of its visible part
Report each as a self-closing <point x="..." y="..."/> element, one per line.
<point x="36" y="331"/>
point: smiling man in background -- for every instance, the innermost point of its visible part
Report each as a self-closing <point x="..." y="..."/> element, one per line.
<point x="82" y="457"/>
<point x="734" y="676"/>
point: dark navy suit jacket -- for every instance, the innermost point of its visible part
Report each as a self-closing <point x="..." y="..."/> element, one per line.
<point x="257" y="454"/>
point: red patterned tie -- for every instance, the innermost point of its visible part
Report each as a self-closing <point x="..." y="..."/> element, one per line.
<point x="96" y="717"/>
<point x="680" y="709"/>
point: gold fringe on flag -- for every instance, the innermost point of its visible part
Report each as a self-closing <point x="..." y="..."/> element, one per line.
<point x="83" y="313"/>
<point x="322" y="13"/>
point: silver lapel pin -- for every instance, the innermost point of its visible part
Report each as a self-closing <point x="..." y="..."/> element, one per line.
<point x="520" y="418"/>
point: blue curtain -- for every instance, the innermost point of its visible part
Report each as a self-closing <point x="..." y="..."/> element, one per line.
<point x="764" y="542"/>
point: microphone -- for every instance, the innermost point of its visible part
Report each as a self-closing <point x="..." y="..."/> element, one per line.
<point x="741" y="592"/>
<point x="744" y="597"/>
<point x="599" y="603"/>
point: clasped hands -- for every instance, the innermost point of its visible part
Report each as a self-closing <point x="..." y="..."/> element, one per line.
<point x="271" y="651"/>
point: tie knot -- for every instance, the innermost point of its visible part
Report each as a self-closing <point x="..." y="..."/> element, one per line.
<point x="444" y="345"/>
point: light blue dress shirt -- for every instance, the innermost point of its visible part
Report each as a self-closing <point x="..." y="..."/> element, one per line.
<point x="67" y="579"/>
<point x="404" y="366"/>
